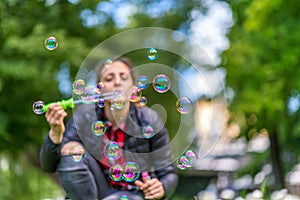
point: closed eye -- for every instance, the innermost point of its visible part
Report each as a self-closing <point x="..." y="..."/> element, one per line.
<point x="124" y="76"/>
<point x="108" y="78"/>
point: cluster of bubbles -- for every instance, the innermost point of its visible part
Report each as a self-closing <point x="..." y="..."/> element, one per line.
<point x="51" y="43"/>
<point x="88" y="94"/>
<point x="187" y="160"/>
<point x="161" y="83"/>
<point x="98" y="128"/>
<point x="128" y="172"/>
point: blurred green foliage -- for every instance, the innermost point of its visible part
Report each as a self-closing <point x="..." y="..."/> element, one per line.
<point x="22" y="180"/>
<point x="262" y="66"/>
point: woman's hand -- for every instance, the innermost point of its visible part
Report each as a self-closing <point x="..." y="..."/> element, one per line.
<point x="55" y="118"/>
<point x="153" y="188"/>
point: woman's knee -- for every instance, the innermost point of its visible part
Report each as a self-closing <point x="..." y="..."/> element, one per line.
<point x="71" y="148"/>
<point x="74" y="172"/>
<point x="73" y="158"/>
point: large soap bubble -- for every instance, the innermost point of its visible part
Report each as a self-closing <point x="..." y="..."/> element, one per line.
<point x="166" y="79"/>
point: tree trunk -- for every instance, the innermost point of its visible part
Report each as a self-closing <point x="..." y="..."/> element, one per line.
<point x="276" y="161"/>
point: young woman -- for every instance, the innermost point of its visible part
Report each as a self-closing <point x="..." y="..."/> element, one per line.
<point x="91" y="178"/>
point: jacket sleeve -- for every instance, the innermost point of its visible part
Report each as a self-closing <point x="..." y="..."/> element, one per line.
<point x="169" y="179"/>
<point x="49" y="155"/>
<point x="50" y="152"/>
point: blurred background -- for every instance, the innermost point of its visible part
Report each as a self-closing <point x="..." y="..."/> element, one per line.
<point x="251" y="150"/>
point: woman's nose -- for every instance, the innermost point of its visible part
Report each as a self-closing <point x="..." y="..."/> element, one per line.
<point x="118" y="80"/>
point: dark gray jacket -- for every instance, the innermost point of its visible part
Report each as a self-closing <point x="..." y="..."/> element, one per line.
<point x="151" y="154"/>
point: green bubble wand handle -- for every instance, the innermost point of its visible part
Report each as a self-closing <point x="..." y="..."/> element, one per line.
<point x="65" y="104"/>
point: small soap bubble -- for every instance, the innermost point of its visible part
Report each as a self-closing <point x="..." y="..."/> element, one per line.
<point x="101" y="103"/>
<point x="187" y="160"/>
<point x="112" y="151"/>
<point x="107" y="63"/>
<point x="184" y="105"/>
<point x="98" y="128"/>
<point x="152" y="54"/>
<point x="37" y="107"/>
<point x="100" y="86"/>
<point x="192" y="158"/>
<point x="123" y="197"/>
<point x="78" y="86"/>
<point x="148" y="131"/>
<point x="118" y="101"/>
<point x="161" y="83"/>
<point x="90" y="94"/>
<point x="131" y="171"/>
<point x="51" y="43"/>
<point x="143" y="101"/>
<point x="116" y="172"/>
<point x="77" y="152"/>
<point x="133" y="94"/>
<point x="181" y="163"/>
<point x="142" y="82"/>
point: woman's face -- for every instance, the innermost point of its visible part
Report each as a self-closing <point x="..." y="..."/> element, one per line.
<point x="116" y="77"/>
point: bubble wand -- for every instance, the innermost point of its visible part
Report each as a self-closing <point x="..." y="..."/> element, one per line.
<point x="39" y="107"/>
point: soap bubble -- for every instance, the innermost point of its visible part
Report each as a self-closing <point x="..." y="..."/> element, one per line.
<point x="143" y="101"/>
<point x="152" y="54"/>
<point x="142" y="82"/>
<point x="133" y="94"/>
<point x="116" y="172"/>
<point x="118" y="101"/>
<point x="78" y="86"/>
<point x="100" y="86"/>
<point x="51" y="43"/>
<point x="37" y="107"/>
<point x="181" y="162"/>
<point x="131" y="171"/>
<point x="161" y="83"/>
<point x="101" y="103"/>
<point x="179" y="73"/>
<point x="192" y="158"/>
<point x="184" y="105"/>
<point x="112" y="151"/>
<point x="98" y="128"/>
<point x="107" y="63"/>
<point x="77" y="152"/>
<point x="188" y="159"/>
<point x="148" y="131"/>
<point x="123" y="197"/>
